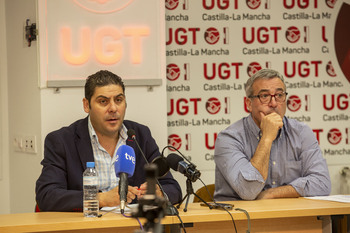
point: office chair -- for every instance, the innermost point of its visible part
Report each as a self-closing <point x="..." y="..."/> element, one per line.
<point x="203" y="193"/>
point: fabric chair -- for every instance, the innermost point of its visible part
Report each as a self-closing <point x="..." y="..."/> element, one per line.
<point x="203" y="193"/>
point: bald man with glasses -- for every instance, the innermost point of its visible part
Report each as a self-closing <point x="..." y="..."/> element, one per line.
<point x="267" y="155"/>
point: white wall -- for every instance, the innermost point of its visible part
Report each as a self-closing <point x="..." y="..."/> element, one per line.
<point x="23" y="104"/>
<point x="4" y="153"/>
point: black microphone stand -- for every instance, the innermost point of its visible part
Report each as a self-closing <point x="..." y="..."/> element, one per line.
<point x="189" y="191"/>
<point x="170" y="210"/>
<point x="191" y="177"/>
<point x="150" y="206"/>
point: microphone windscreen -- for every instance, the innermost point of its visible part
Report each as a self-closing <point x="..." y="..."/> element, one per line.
<point x="131" y="133"/>
<point x="162" y="166"/>
<point x="125" y="162"/>
<point x="173" y="161"/>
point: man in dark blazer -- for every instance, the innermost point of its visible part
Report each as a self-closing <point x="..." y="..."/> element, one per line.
<point x="96" y="138"/>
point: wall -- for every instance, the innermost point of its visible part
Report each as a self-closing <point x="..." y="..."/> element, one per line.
<point x="4" y="153"/>
<point x="34" y="111"/>
<point x="23" y="104"/>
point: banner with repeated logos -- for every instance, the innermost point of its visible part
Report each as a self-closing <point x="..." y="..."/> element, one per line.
<point x="213" y="46"/>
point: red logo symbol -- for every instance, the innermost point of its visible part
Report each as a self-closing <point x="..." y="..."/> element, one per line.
<point x="293" y="34"/>
<point x="253" y="68"/>
<point x="331" y="3"/>
<point x="171" y="4"/>
<point x="172" y="72"/>
<point x="334" y="136"/>
<point x="294" y="103"/>
<point x="253" y="4"/>
<point x="330" y="69"/>
<point x="175" y="141"/>
<point x="103" y="6"/>
<point x="211" y="35"/>
<point x="213" y="105"/>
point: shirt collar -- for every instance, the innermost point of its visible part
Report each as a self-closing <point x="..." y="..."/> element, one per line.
<point x="253" y="127"/>
<point x="94" y="138"/>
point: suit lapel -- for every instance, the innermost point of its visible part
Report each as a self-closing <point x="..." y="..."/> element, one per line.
<point x="83" y="143"/>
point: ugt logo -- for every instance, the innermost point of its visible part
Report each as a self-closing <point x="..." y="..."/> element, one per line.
<point x="294" y="103"/>
<point x="213" y="105"/>
<point x="175" y="141"/>
<point x="253" y="68"/>
<point x="172" y="72"/>
<point x="173" y="4"/>
<point x="334" y="136"/>
<point x="211" y="35"/>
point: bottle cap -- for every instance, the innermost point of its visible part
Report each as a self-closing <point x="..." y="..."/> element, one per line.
<point x="90" y="164"/>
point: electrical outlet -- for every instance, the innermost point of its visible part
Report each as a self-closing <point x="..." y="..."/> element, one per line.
<point x="29" y="143"/>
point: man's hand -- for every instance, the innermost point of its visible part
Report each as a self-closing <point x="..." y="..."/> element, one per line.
<point x="278" y="192"/>
<point x="266" y="194"/>
<point x="270" y="124"/>
<point x="143" y="189"/>
<point x="111" y="198"/>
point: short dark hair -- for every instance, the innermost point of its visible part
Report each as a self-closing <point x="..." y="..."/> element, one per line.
<point x="261" y="74"/>
<point x="100" y="79"/>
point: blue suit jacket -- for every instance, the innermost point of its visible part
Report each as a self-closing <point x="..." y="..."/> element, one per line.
<point x="60" y="185"/>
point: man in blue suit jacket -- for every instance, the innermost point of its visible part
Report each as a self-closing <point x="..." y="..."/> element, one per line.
<point x="97" y="138"/>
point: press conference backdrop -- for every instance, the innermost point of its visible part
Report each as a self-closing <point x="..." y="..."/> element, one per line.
<point x="213" y="46"/>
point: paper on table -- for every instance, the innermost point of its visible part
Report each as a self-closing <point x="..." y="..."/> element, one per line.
<point x="116" y="209"/>
<point x="338" y="198"/>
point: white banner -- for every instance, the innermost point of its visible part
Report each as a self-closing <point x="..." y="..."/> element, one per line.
<point x="213" y="46"/>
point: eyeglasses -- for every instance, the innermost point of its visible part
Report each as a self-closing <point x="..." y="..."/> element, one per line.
<point x="265" y="98"/>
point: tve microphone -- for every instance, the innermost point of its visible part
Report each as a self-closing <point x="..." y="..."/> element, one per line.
<point x="177" y="163"/>
<point x="160" y="162"/>
<point x="124" y="167"/>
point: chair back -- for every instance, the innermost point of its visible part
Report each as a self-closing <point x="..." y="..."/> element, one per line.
<point x="36" y="208"/>
<point x="203" y="193"/>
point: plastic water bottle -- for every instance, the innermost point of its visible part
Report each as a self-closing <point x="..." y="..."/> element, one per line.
<point x="90" y="182"/>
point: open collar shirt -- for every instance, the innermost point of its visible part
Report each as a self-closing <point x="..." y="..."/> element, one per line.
<point x="104" y="162"/>
<point x="295" y="159"/>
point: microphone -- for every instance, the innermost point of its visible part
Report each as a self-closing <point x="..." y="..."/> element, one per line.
<point x="162" y="165"/>
<point x="162" y="169"/>
<point x="177" y="163"/>
<point x="131" y="133"/>
<point x="124" y="167"/>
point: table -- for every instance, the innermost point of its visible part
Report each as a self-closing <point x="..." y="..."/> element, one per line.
<point x="277" y="215"/>
<point x="273" y="215"/>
